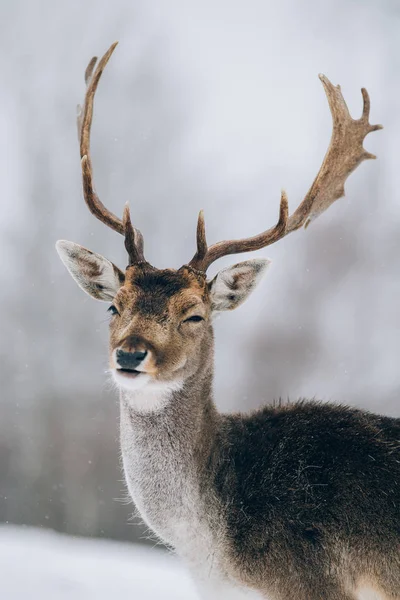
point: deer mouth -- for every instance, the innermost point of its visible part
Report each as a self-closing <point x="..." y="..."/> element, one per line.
<point x="131" y="373"/>
<point x="131" y="379"/>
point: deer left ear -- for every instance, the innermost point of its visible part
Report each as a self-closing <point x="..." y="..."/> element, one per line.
<point x="231" y="286"/>
<point x="96" y="275"/>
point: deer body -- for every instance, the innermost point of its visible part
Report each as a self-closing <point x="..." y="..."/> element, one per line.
<point x="295" y="502"/>
<point x="249" y="501"/>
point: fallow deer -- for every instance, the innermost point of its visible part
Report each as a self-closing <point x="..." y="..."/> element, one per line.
<point x="292" y="502"/>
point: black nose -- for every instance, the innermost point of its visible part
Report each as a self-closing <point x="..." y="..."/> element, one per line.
<point x="130" y="360"/>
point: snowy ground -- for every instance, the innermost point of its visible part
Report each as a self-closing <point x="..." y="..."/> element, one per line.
<point x="43" y="565"/>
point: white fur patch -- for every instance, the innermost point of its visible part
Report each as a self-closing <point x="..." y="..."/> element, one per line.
<point x="367" y="593"/>
<point x="143" y="393"/>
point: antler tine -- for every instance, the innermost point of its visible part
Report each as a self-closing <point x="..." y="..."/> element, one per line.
<point x="344" y="154"/>
<point x="205" y="256"/>
<point x="201" y="241"/>
<point x="133" y="237"/>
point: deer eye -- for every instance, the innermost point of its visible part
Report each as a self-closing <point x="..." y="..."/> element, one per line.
<point x="112" y="310"/>
<point x="194" y="319"/>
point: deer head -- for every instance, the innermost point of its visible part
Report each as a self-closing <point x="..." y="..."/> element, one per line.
<point x="161" y="327"/>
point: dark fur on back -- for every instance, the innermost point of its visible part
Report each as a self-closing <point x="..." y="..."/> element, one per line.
<point x="310" y="488"/>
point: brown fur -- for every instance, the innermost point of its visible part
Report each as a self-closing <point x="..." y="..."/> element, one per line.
<point x="152" y="304"/>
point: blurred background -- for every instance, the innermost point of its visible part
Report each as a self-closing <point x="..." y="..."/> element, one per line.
<point x="205" y="104"/>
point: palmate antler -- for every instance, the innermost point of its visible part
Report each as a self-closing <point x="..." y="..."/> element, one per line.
<point x="344" y="154"/>
<point x="133" y="237"/>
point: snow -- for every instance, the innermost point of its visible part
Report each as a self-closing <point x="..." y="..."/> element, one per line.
<point x="40" y="564"/>
<point x="44" y="565"/>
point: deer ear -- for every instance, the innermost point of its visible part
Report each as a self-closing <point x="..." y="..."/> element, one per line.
<point x="231" y="286"/>
<point x="96" y="275"/>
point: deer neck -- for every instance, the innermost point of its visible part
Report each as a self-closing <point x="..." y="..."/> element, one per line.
<point x="165" y="453"/>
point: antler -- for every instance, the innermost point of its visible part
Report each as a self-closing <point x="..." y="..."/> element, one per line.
<point x="133" y="237"/>
<point x="344" y="154"/>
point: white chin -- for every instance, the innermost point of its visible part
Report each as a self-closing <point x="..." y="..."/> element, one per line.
<point x="129" y="382"/>
<point x="144" y="383"/>
<point x="144" y="393"/>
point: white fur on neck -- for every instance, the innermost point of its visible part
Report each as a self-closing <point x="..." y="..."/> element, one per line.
<point x="162" y="482"/>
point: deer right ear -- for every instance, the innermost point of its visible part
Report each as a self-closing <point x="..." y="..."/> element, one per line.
<point x="96" y="275"/>
<point x="233" y="285"/>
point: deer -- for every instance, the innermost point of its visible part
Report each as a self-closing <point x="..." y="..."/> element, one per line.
<point x="294" y="501"/>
